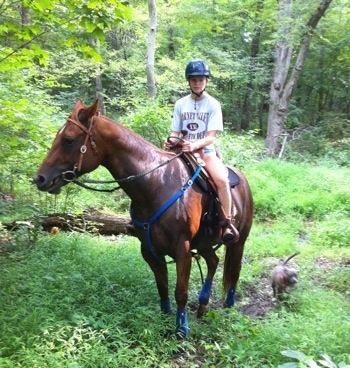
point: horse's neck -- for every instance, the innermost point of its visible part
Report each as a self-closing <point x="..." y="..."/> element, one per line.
<point x="128" y="155"/>
<point x="133" y="161"/>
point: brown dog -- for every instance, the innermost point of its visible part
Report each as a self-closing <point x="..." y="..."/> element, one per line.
<point x="283" y="277"/>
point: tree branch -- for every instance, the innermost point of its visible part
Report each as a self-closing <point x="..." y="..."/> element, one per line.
<point x="34" y="38"/>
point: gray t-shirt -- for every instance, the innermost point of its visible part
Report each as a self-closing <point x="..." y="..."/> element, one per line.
<point x="197" y="118"/>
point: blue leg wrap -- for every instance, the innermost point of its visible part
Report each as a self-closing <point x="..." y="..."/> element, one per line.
<point x="230" y="299"/>
<point x="181" y="330"/>
<point x="204" y="295"/>
<point x="165" y="306"/>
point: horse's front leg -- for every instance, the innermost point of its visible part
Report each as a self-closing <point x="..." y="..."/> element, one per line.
<point x="183" y="269"/>
<point x="160" y="272"/>
<point x="212" y="261"/>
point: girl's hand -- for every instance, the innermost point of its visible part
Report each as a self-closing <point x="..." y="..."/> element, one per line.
<point x="167" y="145"/>
<point x="187" y="146"/>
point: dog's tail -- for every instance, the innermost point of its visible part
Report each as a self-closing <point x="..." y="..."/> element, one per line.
<point x="289" y="258"/>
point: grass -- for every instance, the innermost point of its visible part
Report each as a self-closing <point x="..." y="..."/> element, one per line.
<point x="74" y="300"/>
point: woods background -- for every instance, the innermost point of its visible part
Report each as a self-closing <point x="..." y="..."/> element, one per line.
<point x="281" y="72"/>
<point x="280" y="69"/>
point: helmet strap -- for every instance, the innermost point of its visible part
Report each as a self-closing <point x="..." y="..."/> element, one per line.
<point x="197" y="94"/>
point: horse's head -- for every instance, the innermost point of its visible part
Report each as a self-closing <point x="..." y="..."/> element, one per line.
<point x="73" y="152"/>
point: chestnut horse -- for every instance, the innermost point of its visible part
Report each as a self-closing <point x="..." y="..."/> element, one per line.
<point x="168" y="204"/>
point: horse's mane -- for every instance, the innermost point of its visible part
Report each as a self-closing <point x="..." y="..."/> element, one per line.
<point x="136" y="136"/>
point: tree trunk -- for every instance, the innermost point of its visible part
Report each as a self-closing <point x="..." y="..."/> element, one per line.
<point x="151" y="85"/>
<point x="281" y="89"/>
<point x="24" y="15"/>
<point x="99" y="93"/>
<point x="98" y="81"/>
<point x="254" y="53"/>
<point x="24" y="19"/>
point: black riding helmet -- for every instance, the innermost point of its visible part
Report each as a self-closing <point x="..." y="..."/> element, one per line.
<point x="197" y="67"/>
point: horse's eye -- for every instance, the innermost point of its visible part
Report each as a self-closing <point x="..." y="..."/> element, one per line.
<point x="68" y="141"/>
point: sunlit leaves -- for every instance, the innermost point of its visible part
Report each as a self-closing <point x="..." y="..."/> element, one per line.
<point x="55" y="24"/>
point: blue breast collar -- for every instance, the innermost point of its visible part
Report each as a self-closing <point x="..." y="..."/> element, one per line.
<point x="146" y="225"/>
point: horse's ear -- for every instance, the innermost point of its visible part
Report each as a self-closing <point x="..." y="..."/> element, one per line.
<point x="95" y="107"/>
<point x="78" y="104"/>
<point x="86" y="113"/>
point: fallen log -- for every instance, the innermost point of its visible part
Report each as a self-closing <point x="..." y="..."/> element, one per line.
<point x="91" y="221"/>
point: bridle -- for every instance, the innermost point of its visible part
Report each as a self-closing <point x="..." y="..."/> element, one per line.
<point x="71" y="175"/>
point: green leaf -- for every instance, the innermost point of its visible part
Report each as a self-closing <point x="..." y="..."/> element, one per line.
<point x="289" y="365"/>
<point x="294" y="354"/>
<point x="312" y="364"/>
<point x="327" y="361"/>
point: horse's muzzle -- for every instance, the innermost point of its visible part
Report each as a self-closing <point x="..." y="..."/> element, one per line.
<point x="45" y="185"/>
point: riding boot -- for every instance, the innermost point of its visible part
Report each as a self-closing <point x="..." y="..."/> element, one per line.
<point x="229" y="233"/>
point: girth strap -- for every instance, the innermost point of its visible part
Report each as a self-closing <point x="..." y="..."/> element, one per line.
<point x="146" y="225"/>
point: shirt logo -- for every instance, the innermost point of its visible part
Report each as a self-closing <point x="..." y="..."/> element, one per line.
<point x="192" y="126"/>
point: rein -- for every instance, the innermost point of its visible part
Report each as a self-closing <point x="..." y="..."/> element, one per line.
<point x="71" y="176"/>
<point x="122" y="180"/>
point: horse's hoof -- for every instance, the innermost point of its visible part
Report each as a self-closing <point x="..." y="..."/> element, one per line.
<point x="202" y="309"/>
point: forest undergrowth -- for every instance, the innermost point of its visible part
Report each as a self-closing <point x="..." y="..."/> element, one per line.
<point x="80" y="300"/>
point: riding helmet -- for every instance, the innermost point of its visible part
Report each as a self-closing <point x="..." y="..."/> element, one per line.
<point x="197" y="67"/>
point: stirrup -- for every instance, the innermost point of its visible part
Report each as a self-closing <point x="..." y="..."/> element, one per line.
<point x="229" y="233"/>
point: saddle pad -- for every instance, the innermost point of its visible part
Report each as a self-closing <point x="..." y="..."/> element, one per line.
<point x="233" y="178"/>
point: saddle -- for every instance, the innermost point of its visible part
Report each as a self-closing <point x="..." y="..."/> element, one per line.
<point x="210" y="219"/>
<point x="204" y="180"/>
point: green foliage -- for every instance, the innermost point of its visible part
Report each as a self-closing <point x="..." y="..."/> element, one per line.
<point x="78" y="328"/>
<point x="328" y="141"/>
<point x="151" y="121"/>
<point x="305" y="361"/>
<point x="308" y="192"/>
<point x="338" y="279"/>
<point x="66" y="77"/>
<point x="334" y="230"/>
<point x="240" y="149"/>
<point x="24" y="123"/>
<point x="55" y="24"/>
<point x="72" y="300"/>
<point x="80" y="304"/>
<point x="64" y="40"/>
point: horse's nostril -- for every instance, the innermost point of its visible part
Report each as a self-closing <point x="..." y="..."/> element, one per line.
<point x="39" y="180"/>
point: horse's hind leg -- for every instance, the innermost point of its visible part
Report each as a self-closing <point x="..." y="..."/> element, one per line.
<point x="212" y="261"/>
<point x="232" y="269"/>
<point x="160" y="272"/>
